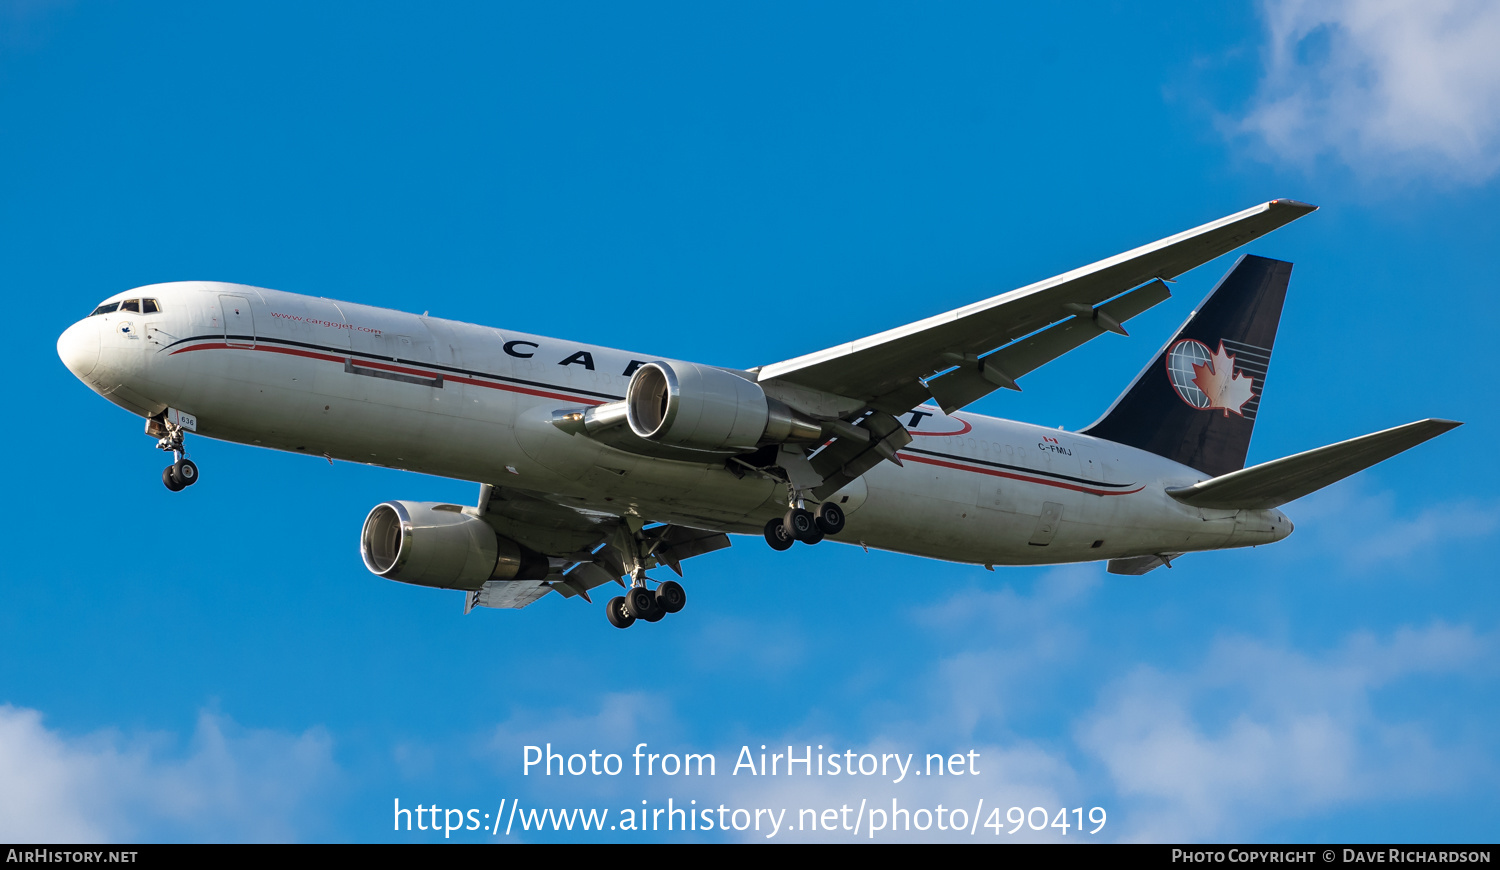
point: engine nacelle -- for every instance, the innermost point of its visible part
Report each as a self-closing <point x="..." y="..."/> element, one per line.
<point x="704" y="408"/>
<point x="439" y="545"/>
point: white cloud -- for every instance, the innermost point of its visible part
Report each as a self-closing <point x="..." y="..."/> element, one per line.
<point x="621" y="721"/>
<point x="1365" y="529"/>
<point x="1297" y="734"/>
<point x="970" y="693"/>
<point x="1386" y="86"/>
<point x="622" y="717"/>
<point x="233" y="784"/>
<point x="1254" y="732"/>
<point x="1024" y="638"/>
<point x="1250" y="733"/>
<point x="762" y="646"/>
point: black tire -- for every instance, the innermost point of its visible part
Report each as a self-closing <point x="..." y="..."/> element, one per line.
<point x="640" y="603"/>
<point x="615" y="610"/>
<point x="802" y="525"/>
<point x="186" y="471"/>
<point x="169" y="479"/>
<point x="671" y="597"/>
<point x="777" y="535"/>
<point x="830" y="518"/>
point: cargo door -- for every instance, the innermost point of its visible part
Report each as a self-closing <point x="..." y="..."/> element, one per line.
<point x="1089" y="463"/>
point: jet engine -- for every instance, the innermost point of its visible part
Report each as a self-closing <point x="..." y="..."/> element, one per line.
<point x="704" y="408"/>
<point x="439" y="545"/>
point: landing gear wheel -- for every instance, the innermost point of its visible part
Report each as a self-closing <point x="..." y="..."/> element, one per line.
<point x="670" y="597"/>
<point x="615" y="610"/>
<point x="169" y="480"/>
<point x="640" y="603"/>
<point x="802" y="525"/>
<point x="777" y="535"/>
<point x="830" y="518"/>
<point x="186" y="472"/>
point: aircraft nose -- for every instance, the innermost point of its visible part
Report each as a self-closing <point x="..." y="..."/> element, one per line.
<point x="78" y="347"/>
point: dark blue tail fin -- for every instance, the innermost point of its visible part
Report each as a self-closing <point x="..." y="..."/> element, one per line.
<point x="1196" y="401"/>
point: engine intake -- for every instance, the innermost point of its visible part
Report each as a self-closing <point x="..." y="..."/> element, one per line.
<point x="704" y="408"/>
<point x="431" y="544"/>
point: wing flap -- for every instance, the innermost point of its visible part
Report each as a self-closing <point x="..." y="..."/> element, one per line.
<point x="1135" y="566"/>
<point x="506" y="594"/>
<point x="1279" y="481"/>
<point x="585" y="577"/>
<point x="972" y="382"/>
<point x="844" y="459"/>
<point x="668" y="545"/>
<point x="681" y="542"/>
<point x="545" y="526"/>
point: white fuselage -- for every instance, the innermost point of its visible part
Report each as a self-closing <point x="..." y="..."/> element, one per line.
<point x="364" y="384"/>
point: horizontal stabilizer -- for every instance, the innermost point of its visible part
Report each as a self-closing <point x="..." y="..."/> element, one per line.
<point x="1281" y="480"/>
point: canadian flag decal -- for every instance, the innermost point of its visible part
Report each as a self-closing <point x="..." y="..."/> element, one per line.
<point x="1208" y="379"/>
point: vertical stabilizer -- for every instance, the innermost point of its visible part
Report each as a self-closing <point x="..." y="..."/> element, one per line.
<point x="1196" y="401"/>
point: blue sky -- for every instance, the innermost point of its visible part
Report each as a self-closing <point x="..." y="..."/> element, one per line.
<point x="739" y="185"/>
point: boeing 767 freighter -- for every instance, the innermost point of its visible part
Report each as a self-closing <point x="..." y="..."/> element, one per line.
<point x="596" y="465"/>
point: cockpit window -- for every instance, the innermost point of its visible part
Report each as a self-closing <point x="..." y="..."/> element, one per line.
<point x="139" y="306"/>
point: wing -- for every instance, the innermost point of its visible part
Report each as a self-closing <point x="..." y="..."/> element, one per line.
<point x="886" y="371"/>
<point x="584" y="548"/>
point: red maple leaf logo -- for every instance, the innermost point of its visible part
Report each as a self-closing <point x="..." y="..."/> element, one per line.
<point x="1224" y="387"/>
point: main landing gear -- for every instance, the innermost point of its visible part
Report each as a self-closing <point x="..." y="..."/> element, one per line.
<point x="642" y="603"/>
<point x="801" y="524"/>
<point x="183" y="472"/>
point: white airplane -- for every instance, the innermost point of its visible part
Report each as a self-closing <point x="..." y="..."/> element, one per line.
<point x="597" y="464"/>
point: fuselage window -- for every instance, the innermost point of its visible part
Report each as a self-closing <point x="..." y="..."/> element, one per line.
<point x="106" y="308"/>
<point x="131" y="305"/>
<point x="149" y="306"/>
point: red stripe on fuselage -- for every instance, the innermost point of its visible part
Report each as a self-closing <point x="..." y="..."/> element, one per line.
<point x="968" y="427"/>
<point x="1006" y="474"/>
<point x="375" y="364"/>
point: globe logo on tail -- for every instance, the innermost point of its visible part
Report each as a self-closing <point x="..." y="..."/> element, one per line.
<point x="1207" y="379"/>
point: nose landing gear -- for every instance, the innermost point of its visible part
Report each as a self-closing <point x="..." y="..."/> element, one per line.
<point x="183" y="472"/>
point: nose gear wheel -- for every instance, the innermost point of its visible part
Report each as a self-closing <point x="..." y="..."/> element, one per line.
<point x="183" y="472"/>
